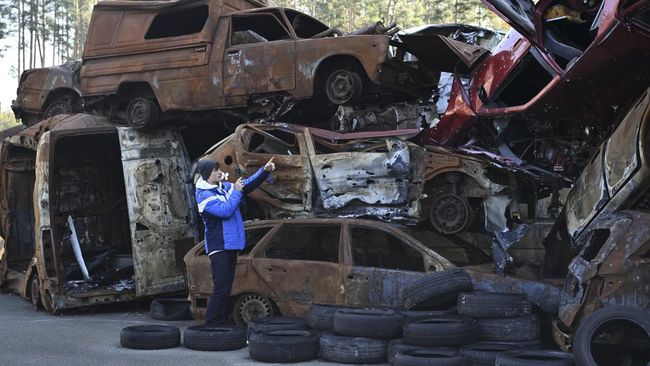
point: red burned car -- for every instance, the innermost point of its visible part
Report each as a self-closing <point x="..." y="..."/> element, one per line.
<point x="548" y="92"/>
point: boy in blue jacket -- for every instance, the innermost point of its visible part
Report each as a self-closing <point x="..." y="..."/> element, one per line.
<point x="218" y="202"/>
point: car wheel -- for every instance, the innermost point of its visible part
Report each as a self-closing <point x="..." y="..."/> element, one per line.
<point x="214" y="338"/>
<point x="447" y="331"/>
<point x="450" y="214"/>
<point x="534" y="358"/>
<point x="276" y="323"/>
<point x="430" y="357"/>
<point x="481" y="354"/>
<point x="494" y="305"/>
<point x="252" y="306"/>
<point x="64" y="104"/>
<point x="525" y="328"/>
<point x="34" y="292"/>
<point x="399" y="346"/>
<point x="142" y="113"/>
<point x="170" y="309"/>
<point x="614" y="335"/>
<point x="368" y="323"/>
<point x="150" y="337"/>
<point x="437" y="290"/>
<point x="284" y="346"/>
<point x="321" y="317"/>
<point x="343" y="86"/>
<point x="354" y="350"/>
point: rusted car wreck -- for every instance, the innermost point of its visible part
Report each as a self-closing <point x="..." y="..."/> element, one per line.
<point x="290" y="264"/>
<point x="85" y="207"/>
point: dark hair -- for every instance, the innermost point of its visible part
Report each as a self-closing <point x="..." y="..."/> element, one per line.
<point x="206" y="167"/>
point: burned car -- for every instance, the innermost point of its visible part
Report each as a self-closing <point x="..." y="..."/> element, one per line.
<point x="45" y="92"/>
<point x="549" y="92"/>
<point x="377" y="174"/>
<point x="92" y="213"/>
<point x="289" y="264"/>
<point x="606" y="221"/>
<point x="142" y="60"/>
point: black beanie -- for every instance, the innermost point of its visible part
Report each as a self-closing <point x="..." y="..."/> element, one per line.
<point x="205" y="168"/>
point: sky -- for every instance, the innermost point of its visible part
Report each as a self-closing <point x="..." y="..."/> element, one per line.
<point x="8" y="82"/>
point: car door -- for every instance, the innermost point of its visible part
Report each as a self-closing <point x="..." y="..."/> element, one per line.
<point x="290" y="190"/>
<point x="376" y="172"/>
<point x="380" y="264"/>
<point x="261" y="56"/>
<point x="301" y="264"/>
<point x="162" y="219"/>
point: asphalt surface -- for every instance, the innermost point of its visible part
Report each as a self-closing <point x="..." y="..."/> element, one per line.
<point x="89" y="338"/>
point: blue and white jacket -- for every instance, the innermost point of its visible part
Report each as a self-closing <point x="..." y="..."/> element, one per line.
<point x="219" y="208"/>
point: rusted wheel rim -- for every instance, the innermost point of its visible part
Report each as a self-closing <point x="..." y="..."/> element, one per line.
<point x="253" y="307"/>
<point x="340" y="86"/>
<point x="139" y="112"/>
<point x="450" y="214"/>
<point x="58" y="108"/>
<point x="34" y="292"/>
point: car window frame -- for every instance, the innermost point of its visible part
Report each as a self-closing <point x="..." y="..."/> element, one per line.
<point x="301" y="140"/>
<point x="282" y="22"/>
<point x="257" y="252"/>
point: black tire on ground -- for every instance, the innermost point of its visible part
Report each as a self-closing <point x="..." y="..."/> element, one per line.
<point x="437" y="290"/>
<point x="430" y="357"/>
<point x="170" y="309"/>
<point x="398" y="345"/>
<point x="415" y="315"/>
<point x="321" y="317"/>
<point x="368" y="323"/>
<point x="150" y="337"/>
<point x="343" y="86"/>
<point x="142" y="113"/>
<point x="493" y="305"/>
<point x="214" y="338"/>
<point x="626" y="334"/>
<point x="525" y="328"/>
<point x="481" y="354"/>
<point x="275" y="323"/>
<point x="449" y="331"/>
<point x="523" y="345"/>
<point x="67" y="103"/>
<point x="534" y="358"/>
<point x="353" y="350"/>
<point x="283" y="346"/>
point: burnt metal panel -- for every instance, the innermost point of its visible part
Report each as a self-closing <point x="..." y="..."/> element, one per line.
<point x="160" y="204"/>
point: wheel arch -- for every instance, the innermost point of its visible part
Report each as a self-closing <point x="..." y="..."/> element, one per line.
<point x="55" y="93"/>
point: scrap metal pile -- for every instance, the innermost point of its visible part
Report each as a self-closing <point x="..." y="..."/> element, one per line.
<point x="520" y="157"/>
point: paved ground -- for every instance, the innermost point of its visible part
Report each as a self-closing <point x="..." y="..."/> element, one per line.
<point x="28" y="337"/>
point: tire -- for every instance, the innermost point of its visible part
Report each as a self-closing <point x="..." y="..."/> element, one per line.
<point x="534" y="358"/>
<point x="398" y="345"/>
<point x="430" y="357"/>
<point x="142" y="113"/>
<point x="415" y="315"/>
<point x="64" y="104"/>
<point x="276" y="323"/>
<point x="343" y="86"/>
<point x="437" y="290"/>
<point x="523" y="345"/>
<point x="623" y="323"/>
<point x="252" y="306"/>
<point x="284" y="346"/>
<point x="494" y="305"/>
<point x="170" y="309"/>
<point x="525" y="328"/>
<point x="368" y="323"/>
<point x="34" y="292"/>
<point x="217" y="338"/>
<point x="352" y="350"/>
<point x="321" y="317"/>
<point x="150" y="337"/>
<point x="448" y="331"/>
<point x="484" y="354"/>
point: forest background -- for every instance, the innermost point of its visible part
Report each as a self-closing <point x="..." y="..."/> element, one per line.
<point x="42" y="33"/>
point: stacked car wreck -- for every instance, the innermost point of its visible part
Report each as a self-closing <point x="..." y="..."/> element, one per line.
<point x="525" y="163"/>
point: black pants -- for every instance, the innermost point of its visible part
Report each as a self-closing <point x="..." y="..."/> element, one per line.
<point x="223" y="273"/>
